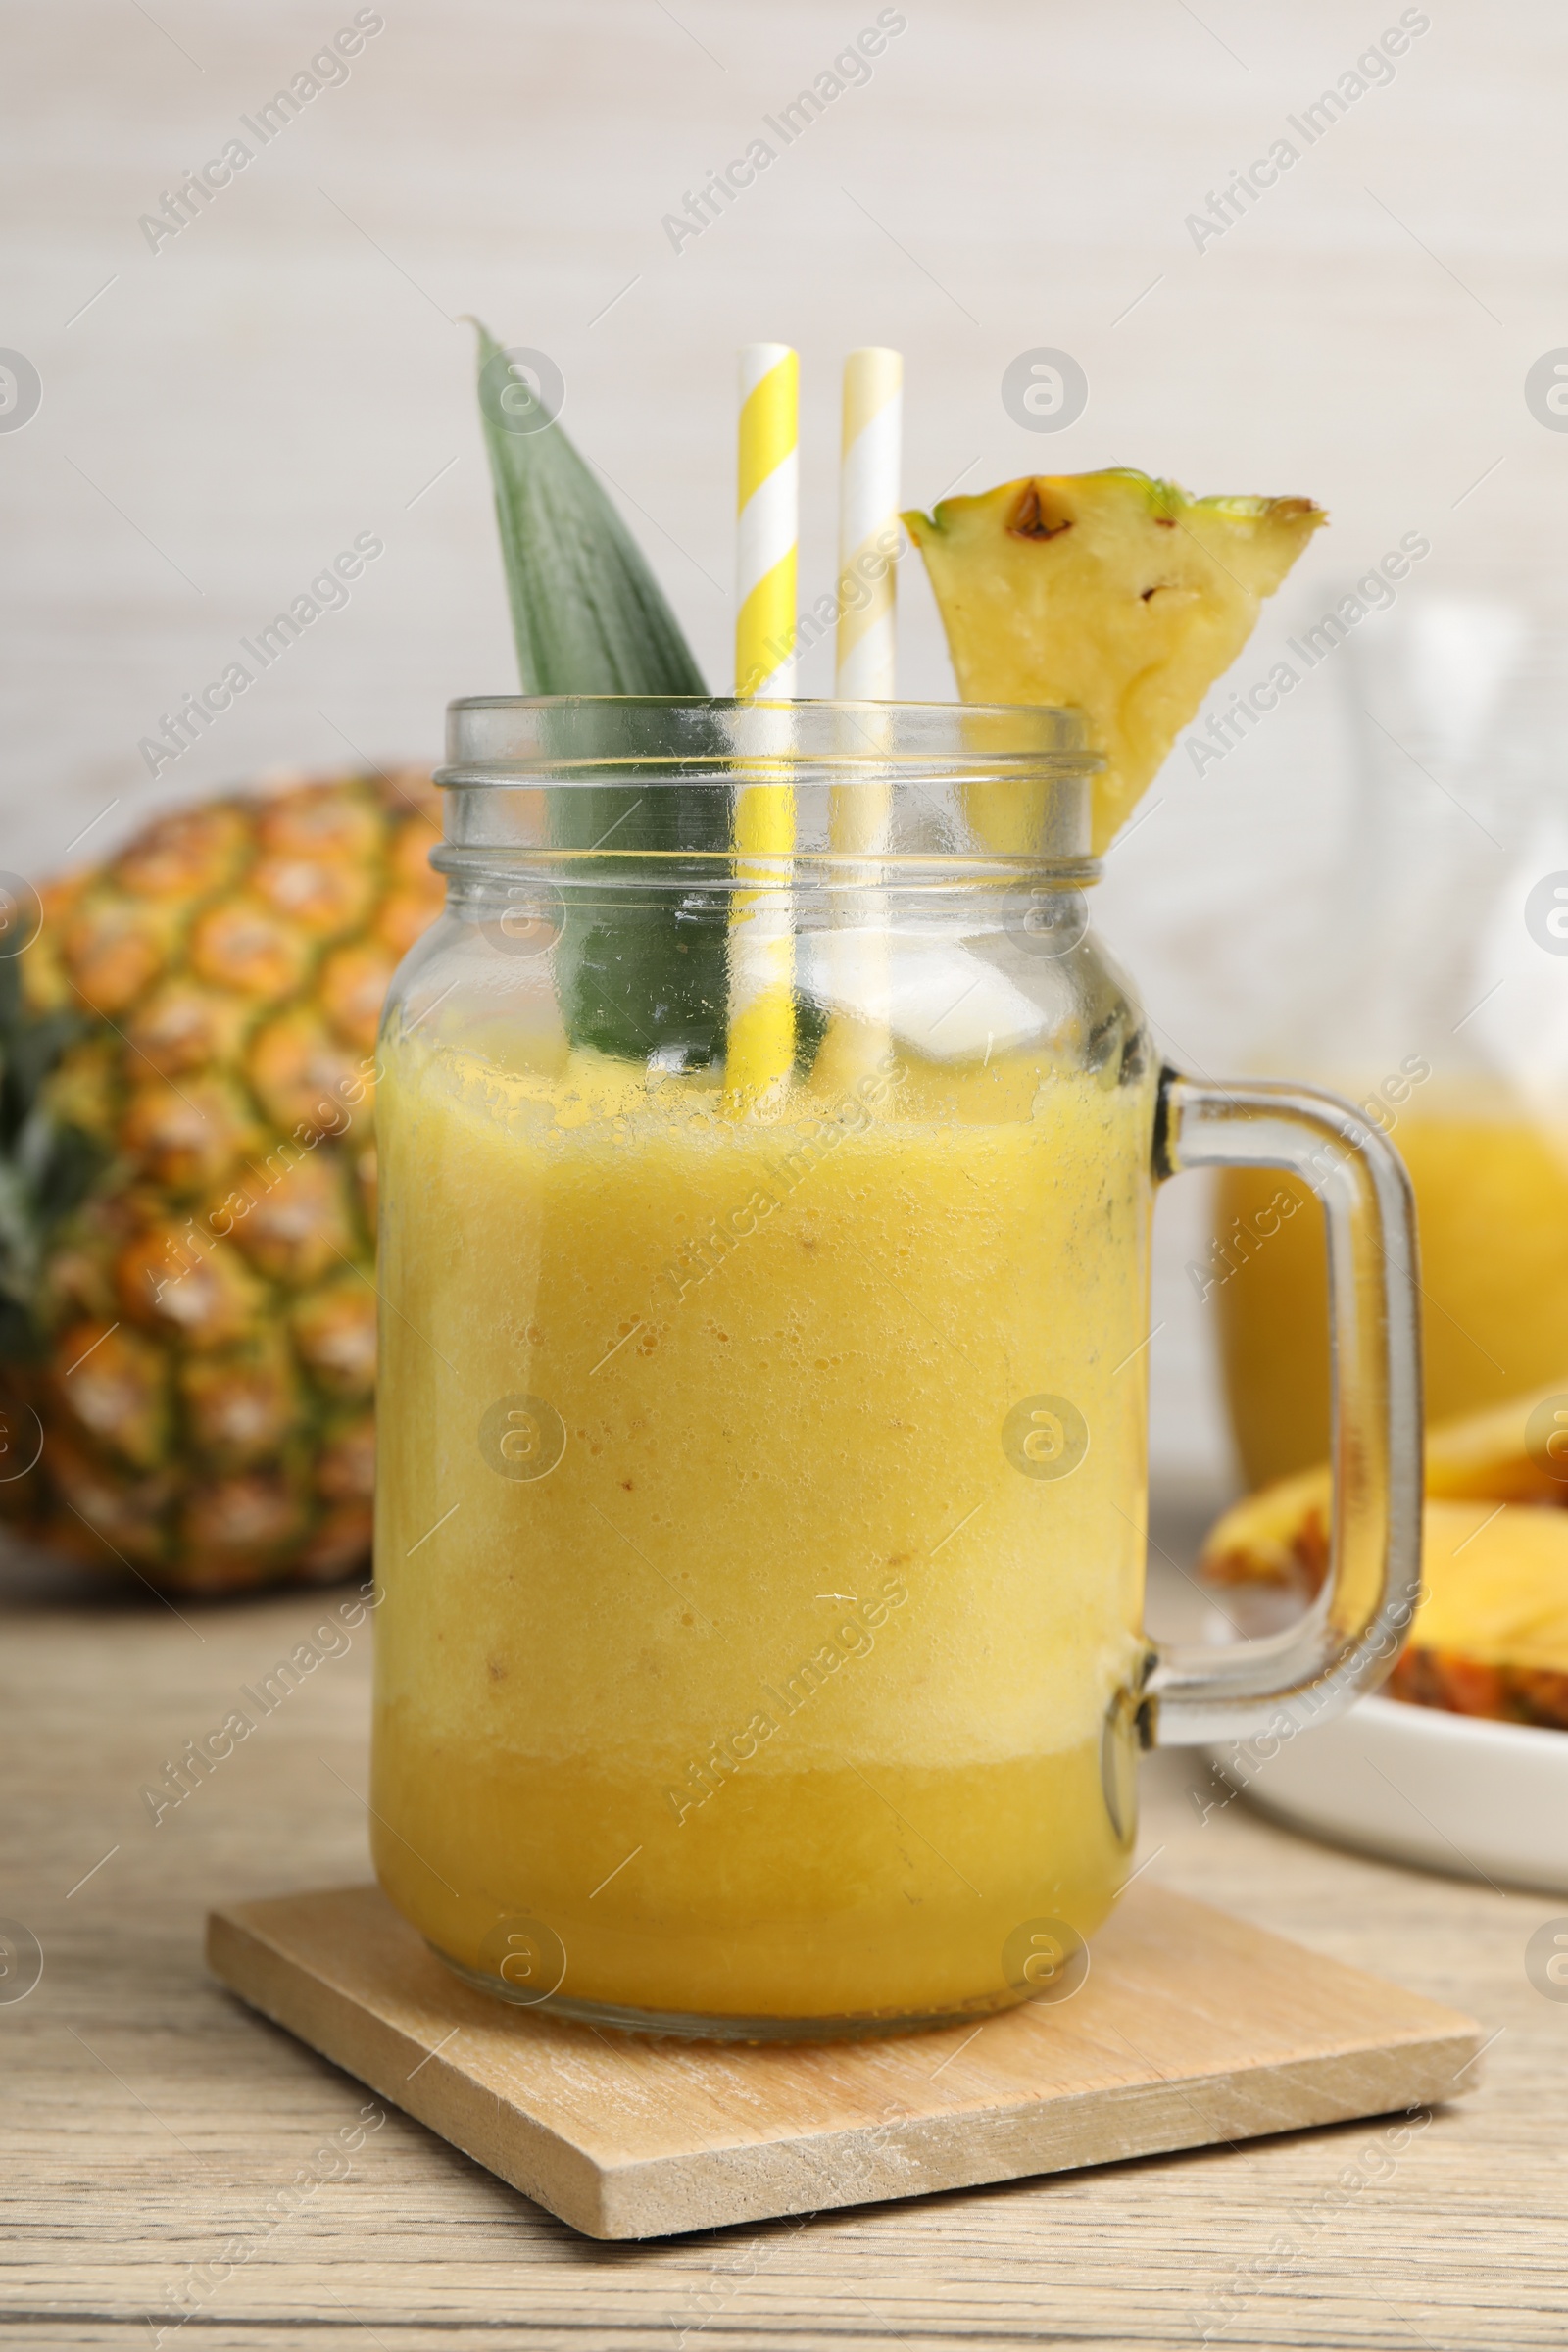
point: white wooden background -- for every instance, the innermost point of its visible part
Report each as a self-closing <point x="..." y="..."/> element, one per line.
<point x="219" y="418"/>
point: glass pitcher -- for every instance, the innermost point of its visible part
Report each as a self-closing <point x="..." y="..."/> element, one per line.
<point x="761" y="1428"/>
<point x="1441" y="1011"/>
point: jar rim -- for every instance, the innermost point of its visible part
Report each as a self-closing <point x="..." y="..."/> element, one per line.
<point x="498" y="740"/>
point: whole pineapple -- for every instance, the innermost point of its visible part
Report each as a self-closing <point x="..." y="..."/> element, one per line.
<point x="197" y="1334"/>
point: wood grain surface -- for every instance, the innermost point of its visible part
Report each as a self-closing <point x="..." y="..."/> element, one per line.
<point x="165" y="2152"/>
<point x="1189" y="2027"/>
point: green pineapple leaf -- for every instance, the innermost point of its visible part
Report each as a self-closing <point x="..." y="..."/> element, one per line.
<point x="588" y="614"/>
<point x="590" y="619"/>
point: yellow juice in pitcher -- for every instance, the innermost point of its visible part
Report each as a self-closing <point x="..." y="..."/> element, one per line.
<point x="761" y="1527"/>
<point x="1492" y="1204"/>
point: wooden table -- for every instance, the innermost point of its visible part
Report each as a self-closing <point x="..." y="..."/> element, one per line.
<point x="150" y="2120"/>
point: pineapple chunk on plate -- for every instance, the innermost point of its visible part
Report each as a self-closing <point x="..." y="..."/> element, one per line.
<point x="1279" y="1536"/>
<point x="1471" y="1778"/>
<point x="1490" y="1637"/>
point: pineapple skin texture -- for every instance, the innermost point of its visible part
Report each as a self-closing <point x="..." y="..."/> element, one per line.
<point x="208" y="1317"/>
<point x="1112" y="593"/>
<point x="1490" y="1635"/>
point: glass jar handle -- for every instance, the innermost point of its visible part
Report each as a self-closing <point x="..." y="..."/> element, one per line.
<point x="1350" y="1636"/>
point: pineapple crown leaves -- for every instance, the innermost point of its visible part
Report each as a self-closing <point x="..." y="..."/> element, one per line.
<point x="588" y="615"/>
<point x="47" y="1168"/>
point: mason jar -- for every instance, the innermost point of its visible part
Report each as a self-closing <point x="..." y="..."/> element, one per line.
<point x="768" y="1158"/>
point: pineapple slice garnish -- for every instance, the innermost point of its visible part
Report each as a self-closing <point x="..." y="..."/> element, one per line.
<point x="1112" y="594"/>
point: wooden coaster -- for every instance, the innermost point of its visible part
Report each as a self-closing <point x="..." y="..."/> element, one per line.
<point x="1192" y="2029"/>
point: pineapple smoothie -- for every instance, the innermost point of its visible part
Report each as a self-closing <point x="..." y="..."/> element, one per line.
<point x="761" y="1407"/>
<point x="761" y="1529"/>
<point x="1492" y="1203"/>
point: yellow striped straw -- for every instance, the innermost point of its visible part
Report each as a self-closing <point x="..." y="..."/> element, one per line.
<point x="762" y="1008"/>
<point x="868" y="525"/>
<point x="860" y="813"/>
<point x="768" y="529"/>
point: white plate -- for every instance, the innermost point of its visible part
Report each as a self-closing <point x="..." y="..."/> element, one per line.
<point x="1450" y="1792"/>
